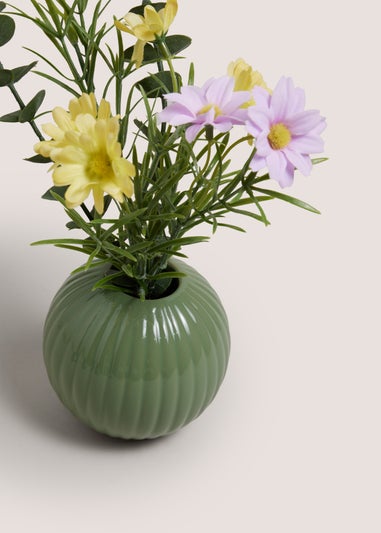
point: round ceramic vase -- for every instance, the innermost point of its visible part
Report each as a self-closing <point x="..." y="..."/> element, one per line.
<point x="136" y="369"/>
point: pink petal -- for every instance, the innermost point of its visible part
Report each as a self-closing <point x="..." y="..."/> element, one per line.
<point x="262" y="145"/>
<point x="307" y="144"/>
<point x="176" y="114"/>
<point x="236" y="100"/>
<point x="320" y="127"/>
<point x="190" y="97"/>
<point x="192" y="132"/>
<point x="220" y="90"/>
<point x="297" y="101"/>
<point x="261" y="97"/>
<point x="257" y="163"/>
<point x="300" y="161"/>
<point x="279" y="169"/>
<point x="303" y="122"/>
<point x="258" y="120"/>
<point x="223" y="124"/>
<point x="281" y="97"/>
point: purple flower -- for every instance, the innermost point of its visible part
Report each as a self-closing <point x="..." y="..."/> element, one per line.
<point x="215" y="103"/>
<point x="285" y="133"/>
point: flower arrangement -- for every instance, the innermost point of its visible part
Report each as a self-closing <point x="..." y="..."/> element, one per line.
<point x="141" y="158"/>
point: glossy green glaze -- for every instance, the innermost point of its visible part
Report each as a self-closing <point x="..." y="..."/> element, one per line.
<point x="134" y="369"/>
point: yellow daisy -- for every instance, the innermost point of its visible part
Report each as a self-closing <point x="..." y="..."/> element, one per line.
<point x="148" y="27"/>
<point x="246" y="78"/>
<point x="86" y="153"/>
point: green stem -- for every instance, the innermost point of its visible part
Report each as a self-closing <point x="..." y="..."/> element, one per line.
<point x="166" y="53"/>
<point x="21" y="104"/>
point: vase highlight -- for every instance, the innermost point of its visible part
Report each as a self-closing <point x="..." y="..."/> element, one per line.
<point x="136" y="369"/>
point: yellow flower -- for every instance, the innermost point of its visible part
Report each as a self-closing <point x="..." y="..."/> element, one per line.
<point x="148" y="27"/>
<point x="246" y="78"/>
<point x="86" y="153"/>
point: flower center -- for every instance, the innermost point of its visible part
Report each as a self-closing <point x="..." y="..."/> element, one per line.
<point x="279" y="136"/>
<point x="99" y="167"/>
<point x="208" y="107"/>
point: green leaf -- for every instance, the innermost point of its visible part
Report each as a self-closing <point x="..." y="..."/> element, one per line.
<point x="170" y="274"/>
<point x="174" y="43"/>
<point x="231" y="226"/>
<point x="150" y="54"/>
<point x="2" y="6"/>
<point x="7" y="29"/>
<point x="39" y="159"/>
<point x="118" y="251"/>
<point x="72" y="225"/>
<point x="177" y="43"/>
<point x="287" y="198"/>
<point x="11" y="117"/>
<point x="158" y="84"/>
<point x="6" y="77"/>
<point x="30" y="110"/>
<point x="59" y="191"/>
<point x="20" y="72"/>
<point x="318" y="160"/>
<point x="173" y="244"/>
<point x="139" y="10"/>
<point x="59" y="242"/>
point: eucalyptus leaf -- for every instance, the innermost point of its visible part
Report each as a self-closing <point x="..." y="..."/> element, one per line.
<point x="150" y="55"/>
<point x="7" y="29"/>
<point x="39" y="159"/>
<point x="139" y="10"/>
<point x="156" y="85"/>
<point x="6" y="77"/>
<point x="58" y="191"/>
<point x="71" y="224"/>
<point x="20" y="72"/>
<point x="174" y="43"/>
<point x="177" y="43"/>
<point x="30" y="110"/>
<point x="11" y="117"/>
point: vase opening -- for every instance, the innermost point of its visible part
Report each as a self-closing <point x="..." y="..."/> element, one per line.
<point x="152" y="290"/>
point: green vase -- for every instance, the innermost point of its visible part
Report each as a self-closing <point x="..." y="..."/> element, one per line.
<point x="136" y="369"/>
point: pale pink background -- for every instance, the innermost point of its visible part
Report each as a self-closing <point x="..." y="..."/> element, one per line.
<point x="292" y="442"/>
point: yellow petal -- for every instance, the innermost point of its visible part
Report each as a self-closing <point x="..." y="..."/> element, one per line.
<point x="44" y="148"/>
<point x="104" y="110"/>
<point x="145" y="33"/>
<point x="85" y="123"/>
<point x="62" y="119"/>
<point x="67" y="174"/>
<point x="132" y="20"/>
<point x="53" y="131"/>
<point x="168" y="13"/>
<point x="75" y="195"/>
<point x="153" y="19"/>
<point x="111" y="188"/>
<point x="123" y="168"/>
<point x="138" y="53"/>
<point x="70" y="155"/>
<point x="98" y="195"/>
<point x="123" y="27"/>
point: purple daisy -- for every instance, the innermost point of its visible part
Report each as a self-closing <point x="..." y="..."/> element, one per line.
<point x="215" y="103"/>
<point x="285" y="133"/>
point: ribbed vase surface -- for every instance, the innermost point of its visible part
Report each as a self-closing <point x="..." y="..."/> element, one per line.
<point x="135" y="369"/>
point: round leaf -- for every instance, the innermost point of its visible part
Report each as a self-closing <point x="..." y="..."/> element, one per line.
<point x="158" y="84"/>
<point x="20" y="72"/>
<point x="6" y="77"/>
<point x="7" y="29"/>
<point x="29" y="111"/>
